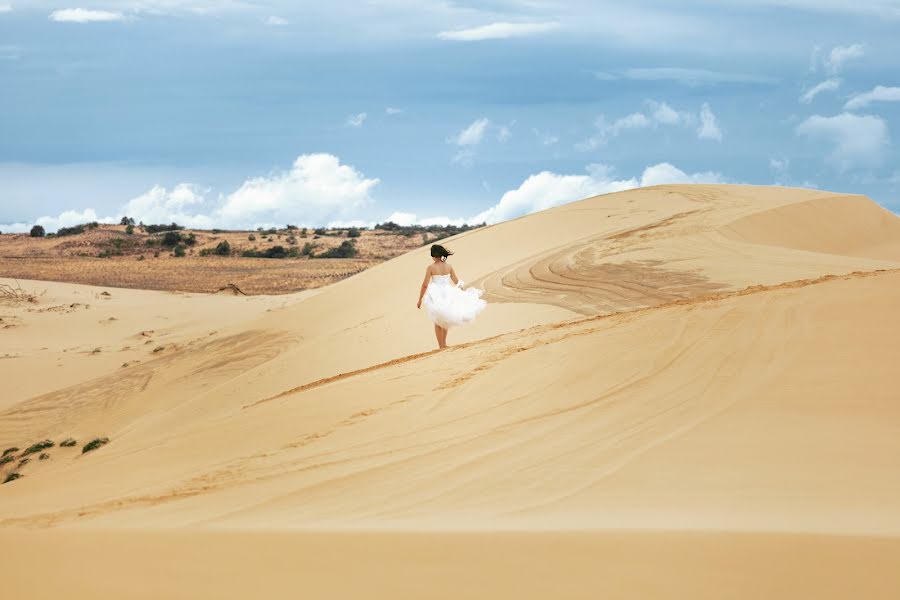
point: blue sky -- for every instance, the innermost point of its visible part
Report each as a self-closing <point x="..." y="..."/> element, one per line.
<point x="249" y="113"/>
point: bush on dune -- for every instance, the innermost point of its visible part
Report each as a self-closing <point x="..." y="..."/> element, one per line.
<point x="94" y="444"/>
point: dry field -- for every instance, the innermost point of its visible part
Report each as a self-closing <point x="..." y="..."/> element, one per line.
<point x="108" y="256"/>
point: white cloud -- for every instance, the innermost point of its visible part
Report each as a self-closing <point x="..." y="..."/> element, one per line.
<point x="547" y="189"/>
<point x="503" y="133"/>
<point x="70" y="218"/>
<point x="858" y="140"/>
<point x="829" y="85"/>
<point x="274" y="21"/>
<point x="878" y="94"/>
<point x="473" y="134"/>
<point x="390" y="110"/>
<point x="684" y="76"/>
<point x="317" y="188"/>
<point x="496" y="31"/>
<point x="709" y="126"/>
<point x="159" y="205"/>
<point x="659" y="113"/>
<point x="841" y="55"/>
<point x="83" y="15"/>
<point x="5" y="8"/>
<point x="356" y="120"/>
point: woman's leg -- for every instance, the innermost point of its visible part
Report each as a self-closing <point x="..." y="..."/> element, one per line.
<point x="438" y="334"/>
<point x="444" y="332"/>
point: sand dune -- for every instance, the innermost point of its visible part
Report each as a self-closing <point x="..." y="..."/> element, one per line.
<point x="692" y="383"/>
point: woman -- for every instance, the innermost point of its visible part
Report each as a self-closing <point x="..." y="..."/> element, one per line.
<point x="445" y="300"/>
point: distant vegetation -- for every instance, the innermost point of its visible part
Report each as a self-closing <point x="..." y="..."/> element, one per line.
<point x="347" y="249"/>
<point x="37" y="231"/>
<point x="12" y="477"/>
<point x="77" y="229"/>
<point x="161" y="228"/>
<point x="438" y="231"/>
<point x="94" y="444"/>
<point x="38" y="447"/>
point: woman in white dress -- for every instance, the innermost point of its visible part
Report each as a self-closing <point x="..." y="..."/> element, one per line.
<point x="445" y="300"/>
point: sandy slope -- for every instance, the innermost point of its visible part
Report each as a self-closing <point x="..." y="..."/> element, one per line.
<point x="713" y="366"/>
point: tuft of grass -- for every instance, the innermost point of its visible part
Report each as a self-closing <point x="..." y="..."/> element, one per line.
<point x="68" y="443"/>
<point x="10" y="450"/>
<point x="38" y="447"/>
<point x="43" y="456"/>
<point x="12" y="477"/>
<point x="94" y="444"/>
<point x="7" y="459"/>
<point x="24" y="462"/>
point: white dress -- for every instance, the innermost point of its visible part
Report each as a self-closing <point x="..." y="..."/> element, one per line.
<point x="449" y="305"/>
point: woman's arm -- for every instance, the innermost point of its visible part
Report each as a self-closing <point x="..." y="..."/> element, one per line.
<point x="424" y="287"/>
<point x="453" y="276"/>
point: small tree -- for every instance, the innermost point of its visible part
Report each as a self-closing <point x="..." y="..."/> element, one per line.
<point x="179" y="251"/>
<point x="37" y="231"/>
<point x="126" y="221"/>
<point x="224" y="248"/>
<point x="129" y="229"/>
<point x="353" y="232"/>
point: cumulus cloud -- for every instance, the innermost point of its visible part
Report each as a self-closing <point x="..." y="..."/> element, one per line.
<point x="841" y="55"/>
<point x="879" y="94"/>
<point x="857" y="140"/>
<point x="496" y="31"/>
<point x="709" y="125"/>
<point x="547" y="189"/>
<point x="317" y="188"/>
<point x="83" y="15"/>
<point x="829" y="85"/>
<point x="70" y="218"/>
<point x="179" y="205"/>
<point x="390" y="110"/>
<point x="274" y="21"/>
<point x="356" y="120"/>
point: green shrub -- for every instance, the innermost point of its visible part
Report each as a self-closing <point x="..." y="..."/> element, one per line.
<point x="76" y="229"/>
<point x="251" y="237"/>
<point x="12" y="477"/>
<point x="129" y="229"/>
<point x="68" y="443"/>
<point x="94" y="444"/>
<point x="308" y="249"/>
<point x="6" y="459"/>
<point x="43" y="456"/>
<point x="10" y="450"/>
<point x="37" y="231"/>
<point x="223" y="249"/>
<point x="161" y="228"/>
<point x="353" y="232"/>
<point x="38" y="447"/>
<point x="320" y="231"/>
<point x="347" y="249"/>
<point x="178" y="251"/>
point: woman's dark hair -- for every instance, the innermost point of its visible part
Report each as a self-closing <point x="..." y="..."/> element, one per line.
<point x="438" y="250"/>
